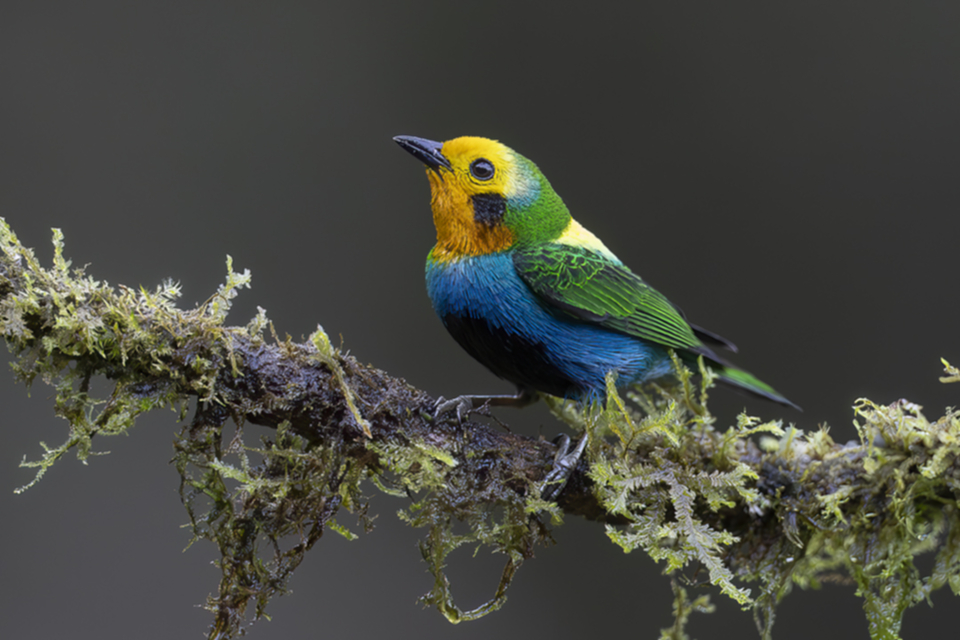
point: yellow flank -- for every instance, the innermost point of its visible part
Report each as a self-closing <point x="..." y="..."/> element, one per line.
<point x="576" y="235"/>
<point x="458" y="234"/>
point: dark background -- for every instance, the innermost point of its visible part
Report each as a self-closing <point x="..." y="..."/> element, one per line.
<point x="787" y="175"/>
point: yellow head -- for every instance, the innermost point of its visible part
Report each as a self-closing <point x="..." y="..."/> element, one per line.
<point x="485" y="197"/>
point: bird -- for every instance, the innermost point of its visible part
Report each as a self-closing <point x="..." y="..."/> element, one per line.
<point x="538" y="299"/>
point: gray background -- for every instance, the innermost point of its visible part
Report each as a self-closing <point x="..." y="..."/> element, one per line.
<point x="787" y="175"/>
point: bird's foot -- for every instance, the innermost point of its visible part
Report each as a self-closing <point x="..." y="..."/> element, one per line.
<point x="465" y="405"/>
<point x="563" y="465"/>
<point x="462" y="405"/>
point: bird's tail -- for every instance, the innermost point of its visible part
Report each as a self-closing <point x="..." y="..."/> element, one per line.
<point x="740" y="379"/>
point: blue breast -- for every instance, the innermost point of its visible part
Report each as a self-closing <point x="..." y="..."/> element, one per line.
<point x="495" y="317"/>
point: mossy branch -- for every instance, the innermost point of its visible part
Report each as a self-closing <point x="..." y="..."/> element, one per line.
<point x="750" y="503"/>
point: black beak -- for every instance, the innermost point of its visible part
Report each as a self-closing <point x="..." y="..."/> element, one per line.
<point x="426" y="151"/>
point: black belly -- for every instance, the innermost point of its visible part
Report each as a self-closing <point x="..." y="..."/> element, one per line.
<point x="511" y="356"/>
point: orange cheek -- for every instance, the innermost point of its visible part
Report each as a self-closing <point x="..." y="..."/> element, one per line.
<point x="458" y="234"/>
<point x="452" y="211"/>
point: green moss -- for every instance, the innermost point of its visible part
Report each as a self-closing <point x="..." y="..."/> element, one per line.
<point x="67" y="328"/>
<point x="263" y="507"/>
<point x="786" y="510"/>
<point x="655" y="477"/>
<point x="683" y="607"/>
<point x="446" y="494"/>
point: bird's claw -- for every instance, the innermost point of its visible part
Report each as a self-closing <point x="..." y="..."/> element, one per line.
<point x="463" y="405"/>
<point x="564" y="462"/>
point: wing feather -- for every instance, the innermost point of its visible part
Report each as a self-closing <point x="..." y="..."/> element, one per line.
<point x="593" y="288"/>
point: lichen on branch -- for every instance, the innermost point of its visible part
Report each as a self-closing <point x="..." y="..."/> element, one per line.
<point x="754" y="508"/>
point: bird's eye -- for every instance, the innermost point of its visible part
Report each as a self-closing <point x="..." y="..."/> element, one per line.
<point x="482" y="169"/>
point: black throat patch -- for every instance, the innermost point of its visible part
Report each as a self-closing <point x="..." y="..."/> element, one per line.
<point x="488" y="208"/>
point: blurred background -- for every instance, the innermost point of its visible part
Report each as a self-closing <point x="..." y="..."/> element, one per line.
<point x="785" y="174"/>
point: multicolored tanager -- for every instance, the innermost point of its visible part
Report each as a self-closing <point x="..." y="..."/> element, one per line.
<point x="538" y="299"/>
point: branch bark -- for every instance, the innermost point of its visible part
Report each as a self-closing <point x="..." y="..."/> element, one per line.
<point x="287" y="384"/>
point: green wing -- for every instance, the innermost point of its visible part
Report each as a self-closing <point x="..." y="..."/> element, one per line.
<point x="594" y="288"/>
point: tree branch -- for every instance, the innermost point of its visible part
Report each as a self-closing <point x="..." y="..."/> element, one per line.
<point x="749" y="503"/>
